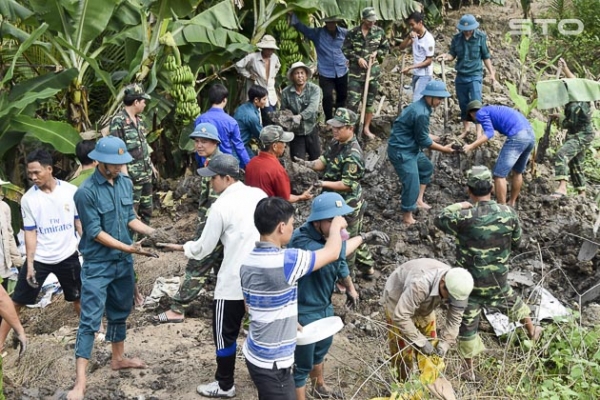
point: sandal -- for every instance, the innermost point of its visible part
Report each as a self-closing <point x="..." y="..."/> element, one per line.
<point x="368" y="274"/>
<point x="322" y="392"/>
<point x="163" y="319"/>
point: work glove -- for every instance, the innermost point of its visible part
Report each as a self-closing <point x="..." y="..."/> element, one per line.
<point x="297" y="119"/>
<point x="427" y="349"/>
<point x="440" y="351"/>
<point x="161" y="235"/>
<point x="375" y="236"/>
<point x="352" y="301"/>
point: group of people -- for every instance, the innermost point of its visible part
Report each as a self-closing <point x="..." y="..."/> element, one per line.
<point x="279" y="275"/>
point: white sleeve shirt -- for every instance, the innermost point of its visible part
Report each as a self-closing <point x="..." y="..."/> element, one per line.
<point x="423" y="48"/>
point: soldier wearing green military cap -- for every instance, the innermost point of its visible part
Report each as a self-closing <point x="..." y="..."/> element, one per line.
<point x="129" y="126"/>
<point x="343" y="167"/>
<point x="366" y="41"/>
<point x="485" y="232"/>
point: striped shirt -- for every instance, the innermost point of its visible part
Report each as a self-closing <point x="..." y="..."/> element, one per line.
<point x="269" y="277"/>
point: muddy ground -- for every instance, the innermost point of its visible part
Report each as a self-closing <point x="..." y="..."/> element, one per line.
<point x="181" y="356"/>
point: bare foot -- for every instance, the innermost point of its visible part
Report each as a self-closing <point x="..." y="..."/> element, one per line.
<point x="126" y="363"/>
<point x="409" y="220"/>
<point x="77" y="393"/>
<point x="423" y="206"/>
<point x="369" y="135"/>
<point x="537" y="333"/>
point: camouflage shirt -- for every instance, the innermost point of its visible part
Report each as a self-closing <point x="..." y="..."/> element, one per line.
<point x="578" y="117"/>
<point x="134" y="136"/>
<point x="306" y="104"/>
<point x="358" y="46"/>
<point x="485" y="236"/>
<point x="344" y="162"/>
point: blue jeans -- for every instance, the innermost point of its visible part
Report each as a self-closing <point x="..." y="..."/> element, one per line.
<point x="514" y="153"/>
<point x="418" y="85"/>
<point x="413" y="170"/>
<point x="105" y="286"/>
<point x="468" y="88"/>
<point x="307" y="356"/>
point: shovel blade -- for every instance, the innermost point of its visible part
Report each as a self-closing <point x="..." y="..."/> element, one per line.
<point x="587" y="251"/>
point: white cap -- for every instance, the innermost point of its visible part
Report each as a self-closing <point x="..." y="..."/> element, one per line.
<point x="459" y="284"/>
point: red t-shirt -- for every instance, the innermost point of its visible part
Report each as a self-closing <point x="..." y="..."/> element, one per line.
<point x="266" y="172"/>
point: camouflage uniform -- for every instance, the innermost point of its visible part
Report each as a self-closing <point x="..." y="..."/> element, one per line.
<point x="580" y="133"/>
<point x="344" y="162"/>
<point x="196" y="270"/>
<point x="358" y="46"/>
<point x="485" y="235"/>
<point x="134" y="134"/>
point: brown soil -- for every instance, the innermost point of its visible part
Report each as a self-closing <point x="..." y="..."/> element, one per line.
<point x="181" y="356"/>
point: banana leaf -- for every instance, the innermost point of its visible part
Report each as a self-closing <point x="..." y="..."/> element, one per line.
<point x="24" y="46"/>
<point x="62" y="136"/>
<point x="558" y="92"/>
<point x="12" y="10"/>
<point x="60" y="80"/>
<point x="16" y="106"/>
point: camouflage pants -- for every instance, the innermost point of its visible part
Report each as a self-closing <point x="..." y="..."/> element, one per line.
<point x="569" y="159"/>
<point x="195" y="277"/>
<point x="142" y="200"/>
<point x="362" y="255"/>
<point x="404" y="355"/>
<point x="507" y="302"/>
<point x="355" y="93"/>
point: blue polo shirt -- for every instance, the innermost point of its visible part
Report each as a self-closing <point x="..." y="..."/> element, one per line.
<point x="315" y="290"/>
<point x="248" y="119"/>
<point x="229" y="133"/>
<point x="470" y="53"/>
<point x="331" y="62"/>
<point x="106" y="208"/>
<point x="505" y="120"/>
<point x="410" y="132"/>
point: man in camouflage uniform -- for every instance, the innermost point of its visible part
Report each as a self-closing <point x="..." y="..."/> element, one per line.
<point x="206" y="142"/>
<point x="577" y="120"/>
<point x="485" y="234"/>
<point x="364" y="42"/>
<point x="130" y="127"/>
<point x="344" y="167"/>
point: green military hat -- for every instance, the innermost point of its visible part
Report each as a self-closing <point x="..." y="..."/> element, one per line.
<point x="369" y="14"/>
<point x="136" y="91"/>
<point x="333" y="18"/>
<point x="477" y="175"/>
<point x="343" y="117"/>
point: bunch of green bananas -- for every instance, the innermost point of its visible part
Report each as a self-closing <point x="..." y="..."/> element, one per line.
<point x="288" y="47"/>
<point x="182" y="74"/>
<point x="187" y="110"/>
<point x="182" y="89"/>
<point x="289" y="51"/>
<point x="170" y="63"/>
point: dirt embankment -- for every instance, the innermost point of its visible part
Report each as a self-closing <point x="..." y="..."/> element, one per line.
<point x="181" y="356"/>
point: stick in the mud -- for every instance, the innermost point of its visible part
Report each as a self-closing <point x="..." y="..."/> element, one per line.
<point x="363" y="108"/>
<point x="445" y="99"/>
<point x="400" y="105"/>
<point x="540" y="151"/>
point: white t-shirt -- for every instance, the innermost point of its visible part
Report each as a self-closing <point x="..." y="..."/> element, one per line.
<point x="423" y="48"/>
<point x="52" y="216"/>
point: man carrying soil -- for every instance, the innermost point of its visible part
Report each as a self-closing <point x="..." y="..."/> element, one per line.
<point x="229" y="222"/>
<point x="315" y="290"/>
<point x="227" y="127"/>
<point x="411" y="295"/>
<point x="105" y="205"/>
<point x="129" y="126"/>
<point x="469" y="48"/>
<point x="331" y="62"/>
<point x="410" y="135"/>
<point x="577" y="120"/>
<point x="269" y="275"/>
<point x="344" y="167"/>
<point x="485" y="233"/>
<point x="303" y="98"/>
<point x="423" y="48"/>
<point x="363" y="43"/>
<point x="266" y="172"/>
<point x="51" y="225"/>
<point x="206" y="141"/>
<point x="248" y="117"/>
<point x="519" y="143"/>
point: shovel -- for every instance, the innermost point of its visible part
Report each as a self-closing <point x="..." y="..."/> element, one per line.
<point x="363" y="108"/>
<point x="588" y="248"/>
<point x="400" y="105"/>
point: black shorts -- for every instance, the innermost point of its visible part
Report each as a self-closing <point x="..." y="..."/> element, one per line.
<point x="68" y="272"/>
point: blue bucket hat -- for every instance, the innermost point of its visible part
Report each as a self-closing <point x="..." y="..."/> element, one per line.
<point x="467" y="23"/>
<point x="206" y="131"/>
<point x="435" y="89"/>
<point x="328" y="205"/>
<point x="111" y="150"/>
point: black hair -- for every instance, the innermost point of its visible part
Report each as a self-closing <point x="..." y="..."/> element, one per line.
<point x="415" y="16"/>
<point x="257" y="92"/>
<point x="217" y="93"/>
<point x="41" y="156"/>
<point x="82" y="150"/>
<point x="481" y="189"/>
<point x="129" y="100"/>
<point x="270" y="212"/>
